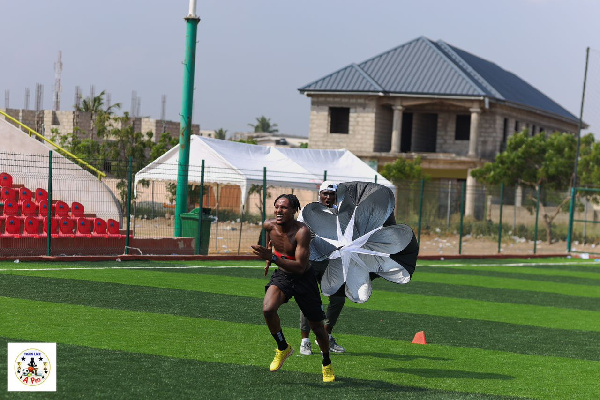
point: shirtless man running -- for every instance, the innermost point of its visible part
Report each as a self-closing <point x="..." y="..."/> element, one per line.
<point x="288" y="248"/>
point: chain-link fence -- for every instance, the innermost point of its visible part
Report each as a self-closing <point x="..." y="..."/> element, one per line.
<point x="114" y="217"/>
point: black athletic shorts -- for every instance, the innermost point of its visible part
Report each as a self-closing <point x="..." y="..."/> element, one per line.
<point x="303" y="288"/>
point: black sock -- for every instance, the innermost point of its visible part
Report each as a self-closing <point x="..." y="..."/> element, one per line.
<point x="326" y="359"/>
<point x="280" y="339"/>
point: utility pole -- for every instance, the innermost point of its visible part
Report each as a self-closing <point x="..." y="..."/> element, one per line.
<point x="580" y="125"/>
<point x="189" y="67"/>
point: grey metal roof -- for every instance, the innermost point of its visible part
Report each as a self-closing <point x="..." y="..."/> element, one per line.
<point x="424" y="67"/>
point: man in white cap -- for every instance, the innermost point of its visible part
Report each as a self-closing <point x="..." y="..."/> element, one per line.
<point x="327" y="197"/>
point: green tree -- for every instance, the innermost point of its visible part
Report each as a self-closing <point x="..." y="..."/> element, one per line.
<point x="247" y="141"/>
<point x="406" y="175"/>
<point x="221" y="134"/>
<point x="166" y="142"/>
<point x="543" y="160"/>
<point x="263" y="124"/>
<point x="85" y="149"/>
<point x="99" y="115"/>
<point x="404" y="170"/>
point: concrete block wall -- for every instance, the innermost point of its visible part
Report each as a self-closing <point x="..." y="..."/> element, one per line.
<point x="446" y="136"/>
<point x="360" y="137"/>
<point x="528" y="119"/>
<point x="384" y="119"/>
<point x="490" y="135"/>
<point x="424" y="132"/>
<point x="65" y="122"/>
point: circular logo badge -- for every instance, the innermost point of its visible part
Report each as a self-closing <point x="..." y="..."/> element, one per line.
<point x="32" y="367"/>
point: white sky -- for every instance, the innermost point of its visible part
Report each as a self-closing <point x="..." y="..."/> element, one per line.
<point x="253" y="55"/>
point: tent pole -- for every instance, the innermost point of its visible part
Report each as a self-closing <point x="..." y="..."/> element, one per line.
<point x="198" y="242"/>
<point x="217" y="214"/>
<point x="263" y="235"/>
<point x="241" y="226"/>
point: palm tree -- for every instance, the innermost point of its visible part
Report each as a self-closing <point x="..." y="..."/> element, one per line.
<point x="98" y="115"/>
<point x="96" y="104"/>
<point x="221" y="133"/>
<point x="263" y="124"/>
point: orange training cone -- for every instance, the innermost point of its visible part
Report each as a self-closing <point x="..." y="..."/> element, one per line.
<point x="419" y="338"/>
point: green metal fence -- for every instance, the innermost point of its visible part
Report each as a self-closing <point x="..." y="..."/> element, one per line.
<point x="448" y="216"/>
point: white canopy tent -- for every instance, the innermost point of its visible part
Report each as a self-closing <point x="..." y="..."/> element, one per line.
<point x="234" y="163"/>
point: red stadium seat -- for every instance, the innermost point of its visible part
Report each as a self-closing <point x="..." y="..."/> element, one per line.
<point x="113" y="228"/>
<point x="84" y="227"/>
<point x="100" y="228"/>
<point x="61" y="209"/>
<point x="66" y="227"/>
<point x="40" y="195"/>
<point x="29" y="209"/>
<point x="24" y="194"/>
<point x="8" y="193"/>
<point x="32" y="227"/>
<point x="11" y="208"/>
<point x="76" y="210"/>
<point x="53" y="227"/>
<point x="12" y="227"/>
<point x="6" y="179"/>
<point x="43" y="208"/>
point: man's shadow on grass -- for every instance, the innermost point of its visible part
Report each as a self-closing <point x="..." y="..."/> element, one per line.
<point x="449" y="373"/>
<point x="428" y="372"/>
<point x="397" y="357"/>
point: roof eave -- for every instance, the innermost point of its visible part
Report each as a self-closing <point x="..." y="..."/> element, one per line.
<point x="353" y="93"/>
<point x="540" y="111"/>
<point x="357" y="93"/>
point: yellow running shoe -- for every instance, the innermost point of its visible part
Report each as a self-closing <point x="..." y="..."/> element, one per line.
<point x="328" y="375"/>
<point x="280" y="357"/>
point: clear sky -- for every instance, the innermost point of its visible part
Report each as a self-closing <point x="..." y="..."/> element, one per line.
<point x="253" y="55"/>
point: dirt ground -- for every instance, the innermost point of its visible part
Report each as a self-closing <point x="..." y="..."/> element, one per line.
<point x="234" y="238"/>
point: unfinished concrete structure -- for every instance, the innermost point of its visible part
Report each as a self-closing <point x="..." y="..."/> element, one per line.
<point x="45" y="121"/>
<point x="428" y="99"/>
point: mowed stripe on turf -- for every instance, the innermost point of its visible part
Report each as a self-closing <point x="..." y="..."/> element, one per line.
<point x="501" y="274"/>
<point x="118" y="374"/>
<point x="385" y="324"/>
<point x="550" y="317"/>
<point x="510" y="283"/>
<point x="567" y="271"/>
<point x="431" y="366"/>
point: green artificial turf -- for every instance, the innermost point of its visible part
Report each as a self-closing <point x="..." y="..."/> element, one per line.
<point x="494" y="330"/>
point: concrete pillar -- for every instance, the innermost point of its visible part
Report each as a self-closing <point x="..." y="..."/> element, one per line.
<point x="474" y="133"/>
<point x="470" y="195"/>
<point x="396" y="129"/>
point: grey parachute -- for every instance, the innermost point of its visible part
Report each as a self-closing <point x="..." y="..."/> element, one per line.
<point x="361" y="240"/>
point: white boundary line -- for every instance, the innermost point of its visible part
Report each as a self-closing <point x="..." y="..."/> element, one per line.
<point x="260" y="266"/>
<point x="514" y="264"/>
<point x="124" y="267"/>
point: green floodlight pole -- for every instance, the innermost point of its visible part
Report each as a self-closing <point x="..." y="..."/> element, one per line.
<point x="187" y="102"/>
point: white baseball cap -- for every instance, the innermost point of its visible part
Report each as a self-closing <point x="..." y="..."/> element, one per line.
<point x="328" y="186"/>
